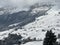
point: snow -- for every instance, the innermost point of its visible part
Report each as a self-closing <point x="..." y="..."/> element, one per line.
<point x="34" y="29"/>
<point x="13" y="25"/>
<point x="45" y="22"/>
<point x="39" y="9"/>
<point x="4" y="34"/>
<point x="34" y="43"/>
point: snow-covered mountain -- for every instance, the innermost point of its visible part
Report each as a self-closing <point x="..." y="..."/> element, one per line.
<point x="44" y="18"/>
<point x="22" y="18"/>
<point x="38" y="28"/>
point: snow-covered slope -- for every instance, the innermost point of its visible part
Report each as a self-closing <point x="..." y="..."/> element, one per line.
<point x="35" y="29"/>
<point x="21" y="18"/>
<point x="38" y="28"/>
<point x="34" y="43"/>
<point x="46" y="22"/>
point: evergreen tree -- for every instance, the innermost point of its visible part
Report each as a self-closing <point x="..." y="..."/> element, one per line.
<point x="50" y="38"/>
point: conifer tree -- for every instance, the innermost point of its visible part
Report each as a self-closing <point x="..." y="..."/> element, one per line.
<point x="50" y="38"/>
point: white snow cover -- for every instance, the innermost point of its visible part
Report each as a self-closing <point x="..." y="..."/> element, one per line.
<point x="34" y="29"/>
<point x="39" y="9"/>
<point x="34" y="43"/>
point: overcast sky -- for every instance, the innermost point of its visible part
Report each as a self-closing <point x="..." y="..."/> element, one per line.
<point x="24" y="3"/>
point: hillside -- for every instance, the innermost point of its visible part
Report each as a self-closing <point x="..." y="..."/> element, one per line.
<point x="38" y="28"/>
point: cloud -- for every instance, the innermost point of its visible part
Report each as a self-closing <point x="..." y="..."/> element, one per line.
<point x="21" y="4"/>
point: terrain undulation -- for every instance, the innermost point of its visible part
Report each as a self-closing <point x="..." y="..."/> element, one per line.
<point x="30" y="25"/>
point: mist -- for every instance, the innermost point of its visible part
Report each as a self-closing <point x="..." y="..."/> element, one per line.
<point x="25" y="4"/>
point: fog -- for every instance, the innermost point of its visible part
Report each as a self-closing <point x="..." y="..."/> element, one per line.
<point x="21" y="4"/>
